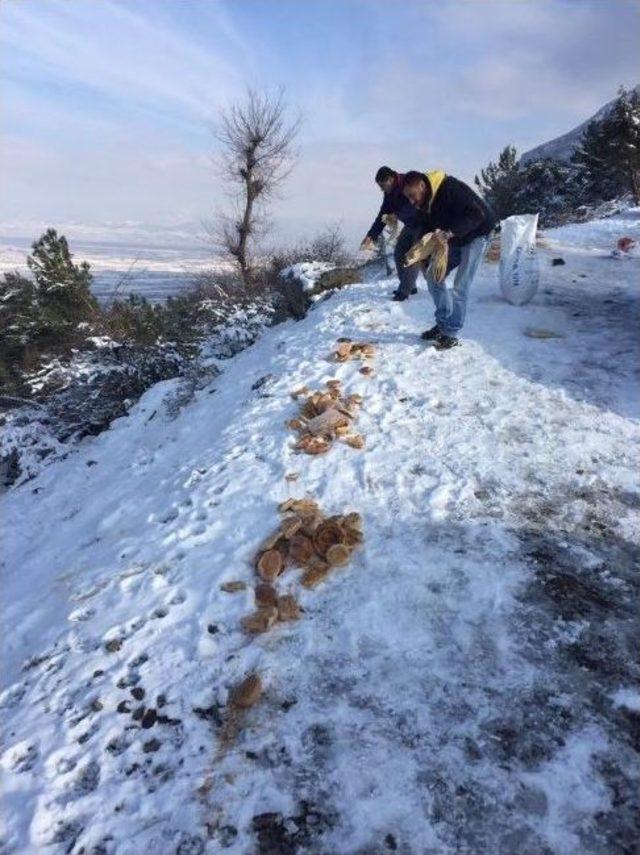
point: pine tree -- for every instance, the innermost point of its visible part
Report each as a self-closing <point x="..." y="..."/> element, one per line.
<point x="547" y="188"/>
<point x="609" y="151"/>
<point x="500" y="183"/>
<point x="19" y="324"/>
<point x="62" y="287"/>
<point x="592" y="158"/>
<point x="18" y="306"/>
<point x="135" y="319"/>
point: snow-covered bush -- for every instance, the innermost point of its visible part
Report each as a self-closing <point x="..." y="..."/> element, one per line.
<point x="80" y="394"/>
<point x="98" y="360"/>
<point x="295" y="274"/>
<point x="77" y="397"/>
<point x="327" y="247"/>
<point x="302" y="284"/>
<point x="135" y="319"/>
<point x="67" y="399"/>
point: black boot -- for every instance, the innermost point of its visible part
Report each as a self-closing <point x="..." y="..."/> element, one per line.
<point x="430" y="335"/>
<point x="445" y="342"/>
<point x="399" y="296"/>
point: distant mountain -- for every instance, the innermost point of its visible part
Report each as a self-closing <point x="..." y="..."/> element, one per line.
<point x="561" y="148"/>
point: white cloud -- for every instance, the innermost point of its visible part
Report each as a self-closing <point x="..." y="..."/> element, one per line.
<point x="132" y="57"/>
<point x="515" y="60"/>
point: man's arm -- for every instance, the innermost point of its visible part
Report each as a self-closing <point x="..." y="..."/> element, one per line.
<point x="378" y="224"/>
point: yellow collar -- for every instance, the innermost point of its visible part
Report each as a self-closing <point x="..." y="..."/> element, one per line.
<point x="435" y="178"/>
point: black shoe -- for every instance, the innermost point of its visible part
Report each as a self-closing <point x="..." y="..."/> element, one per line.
<point x="398" y="297"/>
<point x="445" y="342"/>
<point x="430" y="335"/>
<point x="413" y="291"/>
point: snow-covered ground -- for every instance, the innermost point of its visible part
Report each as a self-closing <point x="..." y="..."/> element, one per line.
<point x="604" y="234"/>
<point x="467" y="684"/>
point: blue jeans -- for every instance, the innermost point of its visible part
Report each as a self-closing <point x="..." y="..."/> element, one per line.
<point x="451" y="303"/>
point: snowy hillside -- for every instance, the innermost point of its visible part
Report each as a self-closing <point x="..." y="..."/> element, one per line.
<point x="562" y="147"/>
<point x="468" y="683"/>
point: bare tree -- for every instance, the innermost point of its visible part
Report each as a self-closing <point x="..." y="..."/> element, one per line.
<point x="257" y="155"/>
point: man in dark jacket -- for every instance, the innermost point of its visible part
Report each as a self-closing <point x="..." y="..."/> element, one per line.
<point x="455" y="214"/>
<point x="396" y="204"/>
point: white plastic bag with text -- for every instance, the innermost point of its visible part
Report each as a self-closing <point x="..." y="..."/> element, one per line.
<point x="519" y="273"/>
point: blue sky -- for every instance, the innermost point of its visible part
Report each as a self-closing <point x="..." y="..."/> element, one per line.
<point x="107" y="105"/>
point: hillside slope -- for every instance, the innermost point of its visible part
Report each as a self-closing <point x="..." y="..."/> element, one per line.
<point x="561" y="148"/>
<point x="468" y="683"/>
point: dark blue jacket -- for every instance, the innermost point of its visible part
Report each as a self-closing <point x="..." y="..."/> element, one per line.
<point x="396" y="203"/>
<point x="457" y="208"/>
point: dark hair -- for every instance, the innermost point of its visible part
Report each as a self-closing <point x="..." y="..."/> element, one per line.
<point x="412" y="177"/>
<point x="385" y="172"/>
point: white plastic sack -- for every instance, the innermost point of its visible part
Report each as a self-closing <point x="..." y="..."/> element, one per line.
<point x="519" y="274"/>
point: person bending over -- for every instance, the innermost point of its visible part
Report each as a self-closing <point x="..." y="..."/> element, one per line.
<point x="455" y="214"/>
<point x="395" y="203"/>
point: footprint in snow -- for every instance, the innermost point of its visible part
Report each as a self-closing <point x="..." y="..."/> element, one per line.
<point x="131" y="676"/>
<point x="199" y="529"/>
<point x="117" y="745"/>
<point x="85" y="782"/>
<point x="236" y="452"/>
<point x="89" y="592"/>
<point x="80" y="615"/>
<point x="195" y="477"/>
<point x="89" y="733"/>
<point x="12" y="695"/>
<point x="165" y="517"/>
<point x="65" y="765"/>
<point x="21" y="757"/>
<point x="114" y="639"/>
<point x="219" y="489"/>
